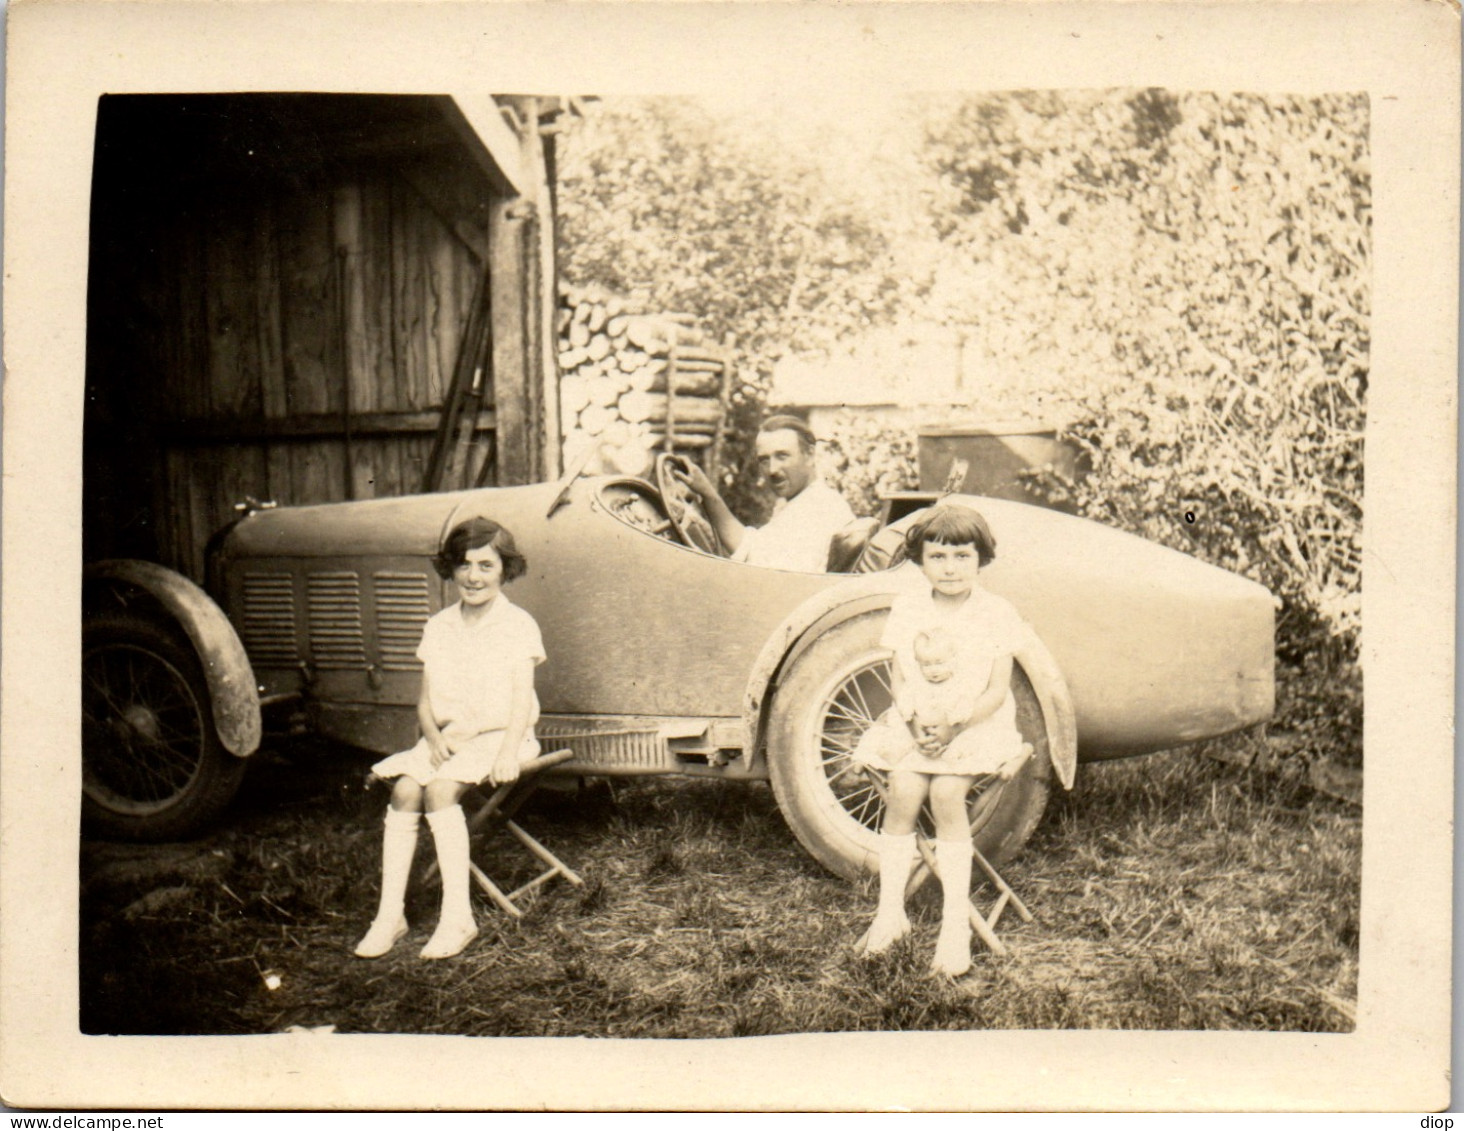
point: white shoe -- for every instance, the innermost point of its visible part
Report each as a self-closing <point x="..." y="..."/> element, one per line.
<point x="952" y="952"/>
<point x="382" y="936"/>
<point x="883" y="934"/>
<point x="450" y="939"/>
<point x="896" y="854"/>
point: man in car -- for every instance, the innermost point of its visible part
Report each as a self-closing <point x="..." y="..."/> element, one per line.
<point x="808" y="514"/>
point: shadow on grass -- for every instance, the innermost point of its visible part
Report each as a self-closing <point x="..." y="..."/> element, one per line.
<point x="1170" y="892"/>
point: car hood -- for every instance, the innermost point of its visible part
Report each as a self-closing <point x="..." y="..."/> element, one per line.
<point x="407" y="525"/>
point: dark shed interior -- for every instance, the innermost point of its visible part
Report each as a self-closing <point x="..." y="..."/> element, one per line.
<point x="279" y="291"/>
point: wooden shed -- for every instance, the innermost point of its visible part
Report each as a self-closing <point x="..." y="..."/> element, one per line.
<point x="282" y="291"/>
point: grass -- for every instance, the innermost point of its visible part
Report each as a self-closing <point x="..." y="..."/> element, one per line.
<point x="1170" y="892"/>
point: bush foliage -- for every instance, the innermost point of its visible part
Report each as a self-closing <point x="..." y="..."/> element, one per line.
<point x="1207" y="259"/>
<point x="866" y="459"/>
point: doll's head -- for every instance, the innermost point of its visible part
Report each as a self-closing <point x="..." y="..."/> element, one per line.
<point x="935" y="652"/>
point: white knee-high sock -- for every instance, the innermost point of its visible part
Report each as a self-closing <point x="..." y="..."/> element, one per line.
<point x="953" y="947"/>
<point x="450" y="832"/>
<point x="398" y="846"/>
<point x="896" y="855"/>
<point x="953" y="857"/>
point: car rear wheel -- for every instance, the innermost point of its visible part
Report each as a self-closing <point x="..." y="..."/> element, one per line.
<point x="827" y="698"/>
<point x="153" y="767"/>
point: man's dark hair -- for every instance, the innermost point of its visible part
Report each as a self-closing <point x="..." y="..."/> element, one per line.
<point x="806" y="439"/>
<point x="474" y="534"/>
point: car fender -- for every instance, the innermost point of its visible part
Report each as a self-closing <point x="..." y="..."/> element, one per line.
<point x="861" y="594"/>
<point x="826" y="607"/>
<point x="231" y="683"/>
<point x="1057" y="705"/>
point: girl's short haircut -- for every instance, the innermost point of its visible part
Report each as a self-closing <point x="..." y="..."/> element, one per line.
<point x="951" y="524"/>
<point x="474" y="534"/>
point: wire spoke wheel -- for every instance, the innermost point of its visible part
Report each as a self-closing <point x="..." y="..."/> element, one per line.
<point x="849" y="709"/>
<point x="145" y="726"/>
<point x="831" y="693"/>
<point x="152" y="765"/>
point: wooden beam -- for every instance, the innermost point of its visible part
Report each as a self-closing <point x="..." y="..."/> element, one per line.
<point x="510" y="313"/>
<point x="312" y="426"/>
<point x="478" y="122"/>
<point x="543" y="366"/>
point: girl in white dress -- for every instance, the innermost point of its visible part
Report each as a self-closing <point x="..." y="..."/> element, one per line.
<point x="477" y="711"/>
<point x="935" y="742"/>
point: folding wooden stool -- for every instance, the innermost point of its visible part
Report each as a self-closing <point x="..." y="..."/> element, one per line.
<point x="500" y="805"/>
<point x="984" y="924"/>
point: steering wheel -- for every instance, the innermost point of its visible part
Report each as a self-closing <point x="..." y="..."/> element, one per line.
<point x="685" y="506"/>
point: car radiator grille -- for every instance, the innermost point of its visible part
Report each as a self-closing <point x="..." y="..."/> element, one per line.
<point x="627" y="749"/>
<point x="336" y="639"/>
<point x="401" y="611"/>
<point x="269" y="619"/>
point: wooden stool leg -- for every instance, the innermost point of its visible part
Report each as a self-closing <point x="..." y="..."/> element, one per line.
<point x="494" y="892"/>
<point x="984" y="926"/>
<point x="988" y="936"/>
<point x="490" y="806"/>
<point x="1002" y="886"/>
<point x="500" y="805"/>
<point x="558" y="866"/>
<point x="476" y="821"/>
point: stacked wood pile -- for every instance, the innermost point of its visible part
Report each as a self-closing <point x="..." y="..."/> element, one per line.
<point x="632" y="385"/>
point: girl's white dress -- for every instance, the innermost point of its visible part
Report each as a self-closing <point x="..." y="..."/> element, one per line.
<point x="469" y="668"/>
<point x="984" y="629"/>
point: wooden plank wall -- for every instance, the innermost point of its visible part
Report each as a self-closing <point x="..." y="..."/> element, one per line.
<point x="298" y="302"/>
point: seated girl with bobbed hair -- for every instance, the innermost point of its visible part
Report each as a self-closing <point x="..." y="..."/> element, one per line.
<point x="954" y="719"/>
<point x="477" y="711"/>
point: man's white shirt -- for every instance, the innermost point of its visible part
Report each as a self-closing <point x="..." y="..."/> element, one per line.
<point x="797" y="536"/>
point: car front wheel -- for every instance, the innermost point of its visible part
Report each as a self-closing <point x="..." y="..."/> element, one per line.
<point x="827" y="698"/>
<point x="153" y="767"/>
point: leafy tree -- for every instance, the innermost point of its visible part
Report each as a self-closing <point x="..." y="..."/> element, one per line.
<point x="679" y="210"/>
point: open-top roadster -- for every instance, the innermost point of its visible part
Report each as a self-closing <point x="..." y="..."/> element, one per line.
<point x="664" y="657"/>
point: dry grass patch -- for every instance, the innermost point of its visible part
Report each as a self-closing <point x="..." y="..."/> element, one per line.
<point x="1170" y="892"/>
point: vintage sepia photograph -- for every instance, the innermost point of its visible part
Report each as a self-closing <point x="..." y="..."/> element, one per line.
<point x="1122" y="335"/>
<point x="684" y="564"/>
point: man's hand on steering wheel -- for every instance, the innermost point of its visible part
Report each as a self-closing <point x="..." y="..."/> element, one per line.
<point x="696" y="479"/>
<point x="686" y="504"/>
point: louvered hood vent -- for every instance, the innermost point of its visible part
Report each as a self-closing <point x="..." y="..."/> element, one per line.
<point x="336" y="638"/>
<point x="401" y="611"/>
<point x="269" y="620"/>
